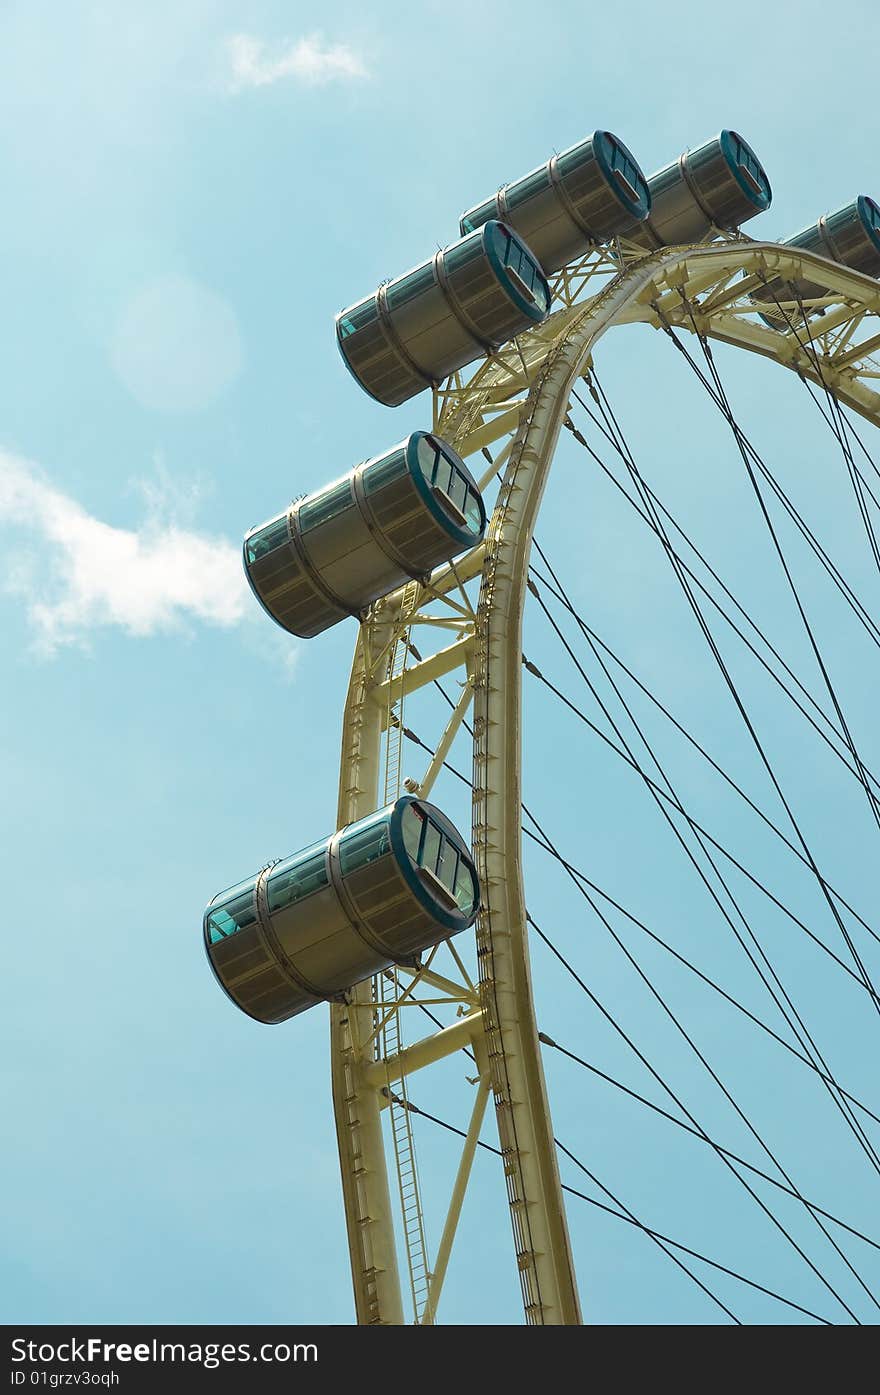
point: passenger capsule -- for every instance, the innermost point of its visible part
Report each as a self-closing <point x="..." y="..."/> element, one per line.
<point x="580" y="198"/>
<point x="377" y="893"/>
<point x="467" y="300"/>
<point x="851" y="236"/>
<point x="721" y="184"/>
<point x="333" y="553"/>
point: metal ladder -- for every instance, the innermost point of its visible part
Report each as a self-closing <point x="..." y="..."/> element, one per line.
<point x="405" y="1158"/>
<point x="394" y="716"/>
<point x="387" y="992"/>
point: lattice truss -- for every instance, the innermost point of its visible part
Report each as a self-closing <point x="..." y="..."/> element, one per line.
<point x="438" y="632"/>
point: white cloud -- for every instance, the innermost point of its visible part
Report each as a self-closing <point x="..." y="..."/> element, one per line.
<point x="82" y="574"/>
<point x="254" y="63"/>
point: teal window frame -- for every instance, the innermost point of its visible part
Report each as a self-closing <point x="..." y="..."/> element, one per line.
<point x="424" y="454"/>
<point x="513" y="254"/>
<point x="419" y="864"/>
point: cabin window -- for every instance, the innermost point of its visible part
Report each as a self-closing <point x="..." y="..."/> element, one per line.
<point x="523" y="265"/>
<point x="365" y="842"/>
<point x="573" y="159"/>
<point x="443" y="473"/>
<point x="457" y="489"/>
<point x="430" y="847"/>
<point x="427" y="454"/>
<point x="357" y="317"/>
<point x="412" y="826"/>
<point x="385" y="471"/>
<point x="463" y="253"/>
<point x="476" y="217"/>
<point x="269" y="537"/>
<point x="527" y="187"/>
<point x="296" y="877"/>
<point x="411" y="286"/>
<point x="232" y="910"/>
<point x="623" y="165"/>
<point x="465" y="892"/>
<point x="447" y="863"/>
<point x="472" y="511"/>
<point x="326" y="505"/>
<point x="748" y="164"/>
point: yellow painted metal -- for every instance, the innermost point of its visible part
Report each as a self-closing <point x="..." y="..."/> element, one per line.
<point x="437" y="666"/>
<point x="365" y="1191"/>
<point x="390" y="1036"/>
<point x="423" y="1053"/>
<point x="444" y="1249"/>
<point x="451" y="731"/>
<point x="393" y="1064"/>
<point x="705" y="287"/>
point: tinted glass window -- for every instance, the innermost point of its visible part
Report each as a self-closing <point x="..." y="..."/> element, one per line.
<point x="748" y="163"/>
<point x="427" y="457"/>
<point x="463" y="252"/>
<point x="573" y="159"/>
<point x="357" y="316"/>
<point x="430" y="848"/>
<point x="515" y="255"/>
<point x="270" y="536"/>
<point x="443" y="474"/>
<point x="326" y="505"/>
<point x="385" y="471"/>
<point x="409" y="287"/>
<point x="457" y="490"/>
<point x="464" y="887"/>
<point x="365" y="842"/>
<point x="447" y="864"/>
<point x="232" y="910"/>
<point x="412" y="825"/>
<point x="526" y="188"/>
<point x="626" y="168"/>
<point x="476" y="217"/>
<point x="296" y="877"/>
<point x="472" y="511"/>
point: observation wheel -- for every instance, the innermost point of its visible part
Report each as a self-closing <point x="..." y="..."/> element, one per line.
<point x="513" y="409"/>
<point x="429" y="545"/>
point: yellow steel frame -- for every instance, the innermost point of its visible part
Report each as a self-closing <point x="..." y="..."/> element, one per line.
<point x="521" y="396"/>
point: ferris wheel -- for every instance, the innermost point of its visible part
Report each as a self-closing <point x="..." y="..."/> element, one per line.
<point x="428" y="543"/>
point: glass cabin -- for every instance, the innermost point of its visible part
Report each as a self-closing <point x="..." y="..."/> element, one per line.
<point x="390" y="519"/>
<point x="580" y="198"/>
<point x="851" y="236"/>
<point x="307" y="929"/>
<point x="719" y="185"/>
<point x="467" y="300"/>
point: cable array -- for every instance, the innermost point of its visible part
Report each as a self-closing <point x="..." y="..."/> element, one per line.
<point x="602" y="674"/>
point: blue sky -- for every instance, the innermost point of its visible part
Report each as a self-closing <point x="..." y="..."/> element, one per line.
<point x="191" y="191"/>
